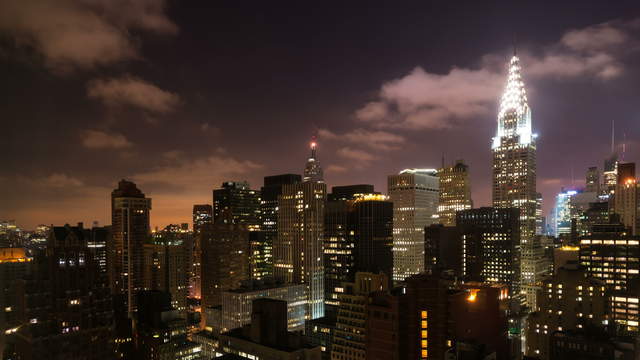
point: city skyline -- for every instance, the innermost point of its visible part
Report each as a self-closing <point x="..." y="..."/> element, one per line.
<point x="179" y="136"/>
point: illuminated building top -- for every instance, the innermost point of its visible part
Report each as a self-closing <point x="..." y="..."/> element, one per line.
<point x="313" y="171"/>
<point x="514" y="116"/>
<point x="13" y="255"/>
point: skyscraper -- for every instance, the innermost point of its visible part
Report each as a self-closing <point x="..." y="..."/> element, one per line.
<point x="130" y="229"/>
<point x="514" y="157"/>
<point x="313" y="171"/>
<point x="514" y="154"/>
<point x="235" y="202"/>
<point x="592" y="181"/>
<point x="297" y="251"/>
<point x="202" y="214"/>
<point x="455" y="192"/>
<point x="269" y="217"/>
<point x="358" y="236"/>
<point x="415" y="196"/>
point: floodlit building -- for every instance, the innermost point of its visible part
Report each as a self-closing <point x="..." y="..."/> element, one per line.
<point x="297" y="251"/>
<point x="455" y="192"/>
<point x="415" y="197"/>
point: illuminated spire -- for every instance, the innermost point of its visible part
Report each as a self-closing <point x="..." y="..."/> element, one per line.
<point x="313" y="171"/>
<point x="514" y="116"/>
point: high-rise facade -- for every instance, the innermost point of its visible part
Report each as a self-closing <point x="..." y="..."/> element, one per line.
<point x="489" y="241"/>
<point x="202" y="214"/>
<point x="514" y="158"/>
<point x="14" y="264"/>
<point x="297" y="250"/>
<point x="269" y="218"/>
<point x="225" y="260"/>
<point x="237" y="203"/>
<point x="415" y="197"/>
<point x="455" y="192"/>
<point x="626" y="200"/>
<point x="130" y="230"/>
<point x="592" y="180"/>
<point x="358" y="236"/>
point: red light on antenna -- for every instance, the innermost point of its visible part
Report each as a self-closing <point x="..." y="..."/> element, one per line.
<point x="313" y="144"/>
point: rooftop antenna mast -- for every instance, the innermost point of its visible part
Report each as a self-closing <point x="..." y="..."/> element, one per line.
<point x="613" y="131"/>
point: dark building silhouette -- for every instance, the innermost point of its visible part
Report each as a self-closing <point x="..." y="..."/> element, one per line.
<point x="225" y="260"/>
<point x="237" y="203"/>
<point x="67" y="311"/>
<point x="443" y="248"/>
<point x="491" y="238"/>
<point x="386" y="326"/>
<point x="14" y="265"/>
<point x="130" y="231"/>
<point x="358" y="237"/>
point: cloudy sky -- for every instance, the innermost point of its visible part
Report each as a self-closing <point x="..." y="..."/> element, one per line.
<point x="181" y="95"/>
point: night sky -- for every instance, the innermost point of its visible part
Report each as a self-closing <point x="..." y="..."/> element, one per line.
<point x="179" y="96"/>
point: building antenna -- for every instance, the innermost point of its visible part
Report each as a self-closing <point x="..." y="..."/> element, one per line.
<point x="443" y="159"/>
<point x="624" y="144"/>
<point x="613" y="132"/>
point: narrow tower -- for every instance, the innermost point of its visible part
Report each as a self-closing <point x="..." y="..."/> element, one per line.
<point x="313" y="171"/>
<point x="514" y="163"/>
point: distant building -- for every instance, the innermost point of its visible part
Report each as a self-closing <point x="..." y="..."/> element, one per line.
<point x="168" y="263"/>
<point x="267" y="336"/>
<point x="443" y="249"/>
<point x="313" y="171"/>
<point x="237" y="303"/>
<point x="415" y="197"/>
<point x="67" y="311"/>
<point x="592" y="181"/>
<point x="592" y="344"/>
<point x="225" y="260"/>
<point x="455" y="192"/>
<point x="297" y="251"/>
<point x="626" y="200"/>
<point x="271" y="190"/>
<point x="202" y="215"/>
<point x="130" y="230"/>
<point x="237" y="203"/>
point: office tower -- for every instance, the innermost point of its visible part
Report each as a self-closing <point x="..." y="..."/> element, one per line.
<point x="130" y="230"/>
<point x="267" y="336"/>
<point x="202" y="214"/>
<point x="98" y="243"/>
<point x="237" y="303"/>
<point x="443" y="249"/>
<point x="611" y="254"/>
<point x="514" y="153"/>
<point x="562" y="219"/>
<point x="358" y="236"/>
<point x="610" y="173"/>
<point x="161" y="333"/>
<point x="592" y="344"/>
<point x="167" y="264"/>
<point x="67" y="311"/>
<point x="386" y="326"/>
<point x="237" y="203"/>
<point x="538" y="259"/>
<point x="349" y="337"/>
<point x="625" y="201"/>
<point x="312" y="170"/>
<point x="225" y="260"/>
<point x="569" y="301"/>
<point x="592" y="181"/>
<point x="269" y="218"/>
<point x="415" y="196"/>
<point x="490" y="239"/>
<point x="455" y="192"/>
<point x="297" y="251"/>
<point x="623" y="309"/>
<point x="13" y="266"/>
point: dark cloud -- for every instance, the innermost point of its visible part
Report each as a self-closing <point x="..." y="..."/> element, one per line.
<point x="82" y="34"/>
<point x="95" y="139"/>
<point x="133" y="92"/>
